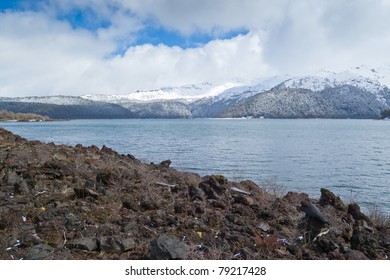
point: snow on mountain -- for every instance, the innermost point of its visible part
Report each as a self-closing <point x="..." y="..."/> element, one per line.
<point x="55" y="100"/>
<point x="244" y="91"/>
<point x="187" y="94"/>
<point x="331" y="79"/>
<point x="373" y="80"/>
<point x="380" y="74"/>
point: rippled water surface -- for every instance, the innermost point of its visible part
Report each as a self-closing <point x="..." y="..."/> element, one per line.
<point x="350" y="157"/>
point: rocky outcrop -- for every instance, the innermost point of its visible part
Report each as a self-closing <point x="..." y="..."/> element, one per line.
<point x="63" y="202"/>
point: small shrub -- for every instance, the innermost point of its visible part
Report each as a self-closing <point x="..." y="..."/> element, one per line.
<point x="378" y="218"/>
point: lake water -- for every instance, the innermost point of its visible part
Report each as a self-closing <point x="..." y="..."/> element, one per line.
<point x="350" y="157"/>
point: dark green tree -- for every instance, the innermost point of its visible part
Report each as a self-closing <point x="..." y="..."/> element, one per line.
<point x="385" y="114"/>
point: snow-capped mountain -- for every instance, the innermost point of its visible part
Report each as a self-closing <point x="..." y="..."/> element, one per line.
<point x="186" y="93"/>
<point x="238" y="93"/>
<point x="374" y="81"/>
<point x="235" y="90"/>
<point x="54" y="99"/>
<point x="360" y="92"/>
<point x="325" y="80"/>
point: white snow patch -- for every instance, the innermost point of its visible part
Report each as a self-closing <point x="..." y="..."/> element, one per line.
<point x="187" y="93"/>
<point x="326" y="79"/>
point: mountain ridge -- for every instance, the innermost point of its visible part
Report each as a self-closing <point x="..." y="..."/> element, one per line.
<point x="359" y="92"/>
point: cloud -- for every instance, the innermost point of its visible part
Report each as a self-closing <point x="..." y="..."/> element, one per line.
<point x="215" y="18"/>
<point x="149" y="66"/>
<point x="42" y="57"/>
<point x="335" y="34"/>
<point x="77" y="47"/>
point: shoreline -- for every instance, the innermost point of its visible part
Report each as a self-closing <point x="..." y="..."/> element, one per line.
<point x="64" y="202"/>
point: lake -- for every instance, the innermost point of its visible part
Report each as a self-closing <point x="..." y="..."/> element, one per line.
<point x="350" y="157"/>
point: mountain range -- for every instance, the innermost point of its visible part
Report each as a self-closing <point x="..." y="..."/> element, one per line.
<point x="360" y="92"/>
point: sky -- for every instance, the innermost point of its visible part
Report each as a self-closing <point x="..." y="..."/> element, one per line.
<point x="76" y="47"/>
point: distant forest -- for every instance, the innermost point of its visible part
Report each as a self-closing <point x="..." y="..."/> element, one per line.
<point x="385" y="114"/>
<point x="11" y="116"/>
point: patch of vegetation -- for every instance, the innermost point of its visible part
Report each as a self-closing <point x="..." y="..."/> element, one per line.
<point x="22" y="117"/>
<point x="385" y="114"/>
<point x="378" y="218"/>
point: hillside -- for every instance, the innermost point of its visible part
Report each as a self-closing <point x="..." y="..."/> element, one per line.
<point x="20" y="117"/>
<point x="336" y="102"/>
<point x="63" y="202"/>
<point x="360" y="92"/>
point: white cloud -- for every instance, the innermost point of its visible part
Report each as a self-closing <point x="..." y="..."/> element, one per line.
<point x="148" y="66"/>
<point x="217" y="16"/>
<point x="41" y="54"/>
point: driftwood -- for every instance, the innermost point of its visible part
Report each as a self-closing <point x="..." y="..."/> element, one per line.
<point x="240" y="191"/>
<point x="165" y="185"/>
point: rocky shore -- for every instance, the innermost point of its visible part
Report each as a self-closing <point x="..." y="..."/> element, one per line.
<point x="63" y="202"/>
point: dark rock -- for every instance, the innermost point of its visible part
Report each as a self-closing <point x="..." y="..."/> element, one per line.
<point x="73" y="223"/>
<point x="208" y="190"/>
<point x="179" y="208"/>
<point x="214" y="186"/>
<point x="355" y="255"/>
<point x="148" y="204"/>
<point x="358" y="238"/>
<point x="30" y="238"/>
<point x="128" y="244"/>
<point x="166" y="163"/>
<point x="167" y="247"/>
<point x="105" y="177"/>
<point x="131" y="227"/>
<point x="22" y="188"/>
<point x="108" y="229"/>
<point x="83" y="243"/>
<point x="84" y="193"/>
<point x="218" y="204"/>
<point x="354" y="210"/>
<point x="241" y="200"/>
<point x="110" y="244"/>
<point x="220" y="179"/>
<point x="107" y="150"/>
<point x="266" y="214"/>
<point x="194" y="193"/>
<point x="326" y="243"/>
<point x="131" y="157"/>
<point x="40" y="252"/>
<point x="313" y="212"/>
<point x="128" y="202"/>
<point x="197" y="225"/>
<point x="329" y="198"/>
<point x="336" y="256"/>
<point x="199" y="207"/>
<point x="11" y="178"/>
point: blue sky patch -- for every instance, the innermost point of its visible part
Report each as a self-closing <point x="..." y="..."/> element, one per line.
<point x="9" y="4"/>
<point x="158" y="35"/>
<point x="88" y="18"/>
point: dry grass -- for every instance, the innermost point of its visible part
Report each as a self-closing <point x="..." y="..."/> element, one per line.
<point x="274" y="188"/>
<point x="378" y="218"/>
